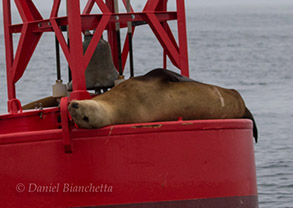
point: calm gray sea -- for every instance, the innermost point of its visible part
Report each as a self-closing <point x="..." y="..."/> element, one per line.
<point x="248" y="48"/>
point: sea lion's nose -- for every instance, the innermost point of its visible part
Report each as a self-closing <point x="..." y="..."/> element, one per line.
<point x="75" y="105"/>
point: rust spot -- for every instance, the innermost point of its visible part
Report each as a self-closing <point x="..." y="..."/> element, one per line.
<point x="186" y="123"/>
<point x="155" y="126"/>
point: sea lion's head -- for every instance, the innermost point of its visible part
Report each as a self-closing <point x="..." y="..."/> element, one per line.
<point x="88" y="114"/>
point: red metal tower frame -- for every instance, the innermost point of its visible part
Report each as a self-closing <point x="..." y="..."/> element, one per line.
<point x="33" y="26"/>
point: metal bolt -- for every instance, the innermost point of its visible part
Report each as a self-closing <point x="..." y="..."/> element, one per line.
<point x="41" y="110"/>
<point x="41" y="115"/>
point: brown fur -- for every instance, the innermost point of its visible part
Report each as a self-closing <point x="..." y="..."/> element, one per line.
<point x="44" y="102"/>
<point x="160" y="95"/>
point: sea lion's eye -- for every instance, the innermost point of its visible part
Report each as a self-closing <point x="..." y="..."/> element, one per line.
<point x="85" y="118"/>
<point x="75" y="105"/>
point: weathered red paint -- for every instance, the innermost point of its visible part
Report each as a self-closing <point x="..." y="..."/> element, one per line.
<point x="154" y="162"/>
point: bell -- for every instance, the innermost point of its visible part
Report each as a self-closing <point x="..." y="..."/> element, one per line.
<point x="100" y="72"/>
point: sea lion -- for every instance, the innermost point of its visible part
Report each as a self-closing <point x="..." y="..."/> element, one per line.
<point x="100" y="72"/>
<point x="160" y="95"/>
<point x="42" y="103"/>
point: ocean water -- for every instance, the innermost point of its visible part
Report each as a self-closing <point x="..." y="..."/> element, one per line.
<point x="245" y="47"/>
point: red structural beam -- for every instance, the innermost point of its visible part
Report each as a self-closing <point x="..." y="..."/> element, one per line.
<point x="90" y="21"/>
<point x="33" y="26"/>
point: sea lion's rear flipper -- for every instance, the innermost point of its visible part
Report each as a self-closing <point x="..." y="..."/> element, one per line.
<point x="249" y="115"/>
<point x="44" y="103"/>
<point x="167" y="75"/>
